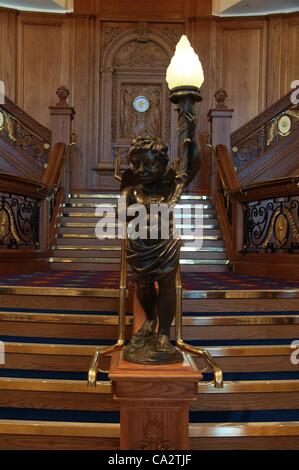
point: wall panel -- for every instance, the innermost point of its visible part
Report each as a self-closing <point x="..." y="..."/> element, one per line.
<point x="202" y="34"/>
<point x="8" y="51"/>
<point x="84" y="69"/>
<point x="145" y="9"/>
<point x="290" y="56"/>
<point x="242" y="57"/>
<point x="254" y="59"/>
<point x="39" y="63"/>
<point x="274" y="52"/>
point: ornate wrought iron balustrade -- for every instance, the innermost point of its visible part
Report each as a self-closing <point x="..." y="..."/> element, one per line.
<point x="19" y="135"/>
<point x="272" y="225"/>
<point x="270" y="127"/>
<point x="19" y="221"/>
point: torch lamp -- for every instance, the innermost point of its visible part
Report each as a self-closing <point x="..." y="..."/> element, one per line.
<point x="184" y="77"/>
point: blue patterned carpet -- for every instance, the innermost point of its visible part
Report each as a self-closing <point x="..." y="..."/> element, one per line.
<point x="110" y="280"/>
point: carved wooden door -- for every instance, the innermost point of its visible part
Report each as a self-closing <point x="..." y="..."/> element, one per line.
<point x="134" y="94"/>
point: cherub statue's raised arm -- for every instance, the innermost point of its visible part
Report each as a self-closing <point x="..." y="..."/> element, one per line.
<point x="154" y="260"/>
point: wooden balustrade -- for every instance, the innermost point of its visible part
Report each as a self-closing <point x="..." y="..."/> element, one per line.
<point x="31" y="205"/>
<point x="266" y="147"/>
<point x="260" y="221"/>
<point x="24" y="187"/>
<point x="23" y="226"/>
<point x="27" y="121"/>
<point x="24" y="143"/>
<point x="227" y="210"/>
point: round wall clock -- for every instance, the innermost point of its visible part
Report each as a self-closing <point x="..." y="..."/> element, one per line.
<point x="141" y="104"/>
<point x="284" y="124"/>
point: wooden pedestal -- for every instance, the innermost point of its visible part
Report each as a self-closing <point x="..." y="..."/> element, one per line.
<point x="154" y="403"/>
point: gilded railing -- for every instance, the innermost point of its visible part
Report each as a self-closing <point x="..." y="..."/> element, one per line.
<point x="210" y="364"/>
<point x="257" y="136"/>
<point x="96" y="362"/>
<point x="24" y="133"/>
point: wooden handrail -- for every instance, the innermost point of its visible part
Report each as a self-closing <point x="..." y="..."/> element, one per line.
<point x="261" y="119"/>
<point x="24" y="187"/>
<point x="225" y="169"/>
<point x="57" y="174"/>
<point x="28" y="121"/>
<point x="55" y="165"/>
<point x="59" y="199"/>
<point x="279" y="187"/>
<point x="227" y="181"/>
<point x="286" y="186"/>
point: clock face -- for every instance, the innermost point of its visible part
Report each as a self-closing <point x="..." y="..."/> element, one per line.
<point x="141" y="104"/>
<point x="284" y="124"/>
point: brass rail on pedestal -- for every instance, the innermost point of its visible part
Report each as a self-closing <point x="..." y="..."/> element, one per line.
<point x="211" y="364"/>
<point x="95" y="365"/>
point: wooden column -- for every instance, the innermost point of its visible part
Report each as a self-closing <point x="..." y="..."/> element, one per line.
<point x="154" y="403"/>
<point x="220" y="125"/>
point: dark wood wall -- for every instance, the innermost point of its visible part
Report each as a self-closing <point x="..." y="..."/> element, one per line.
<point x="254" y="59"/>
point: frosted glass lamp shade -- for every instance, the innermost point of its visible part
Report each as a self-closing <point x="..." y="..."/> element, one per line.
<point x="185" y="68"/>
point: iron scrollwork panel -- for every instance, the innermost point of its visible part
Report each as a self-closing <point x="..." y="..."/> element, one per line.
<point x="250" y="148"/>
<point x="272" y="225"/>
<point x="19" y="221"/>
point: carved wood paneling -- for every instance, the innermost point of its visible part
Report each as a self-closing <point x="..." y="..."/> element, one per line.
<point x="132" y="9"/>
<point x="8" y="31"/>
<point x="131" y="122"/>
<point x="290" y="59"/>
<point x="39" y="62"/>
<point x="84" y="87"/>
<point x="202" y="33"/>
<point x="274" y="70"/>
<point x="133" y="66"/>
<point x="242" y="71"/>
<point x="39" y="52"/>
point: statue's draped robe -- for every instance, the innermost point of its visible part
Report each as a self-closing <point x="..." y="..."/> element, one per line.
<point x="151" y="259"/>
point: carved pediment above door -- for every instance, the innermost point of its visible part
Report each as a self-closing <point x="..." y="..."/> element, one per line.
<point x="134" y="95"/>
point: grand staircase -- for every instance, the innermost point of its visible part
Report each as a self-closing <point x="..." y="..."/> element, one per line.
<point x="51" y="323"/>
<point x="78" y="248"/>
<point x="50" y="334"/>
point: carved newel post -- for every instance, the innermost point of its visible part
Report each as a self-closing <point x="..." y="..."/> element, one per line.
<point x="153" y="380"/>
<point x="62" y="115"/>
<point x="220" y="129"/>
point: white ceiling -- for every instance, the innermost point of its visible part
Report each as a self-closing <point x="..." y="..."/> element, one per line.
<point x="242" y="7"/>
<point x="55" y="6"/>
<point x="260" y="7"/>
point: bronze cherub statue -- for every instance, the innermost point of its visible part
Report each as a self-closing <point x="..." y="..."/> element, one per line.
<point x="154" y="262"/>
